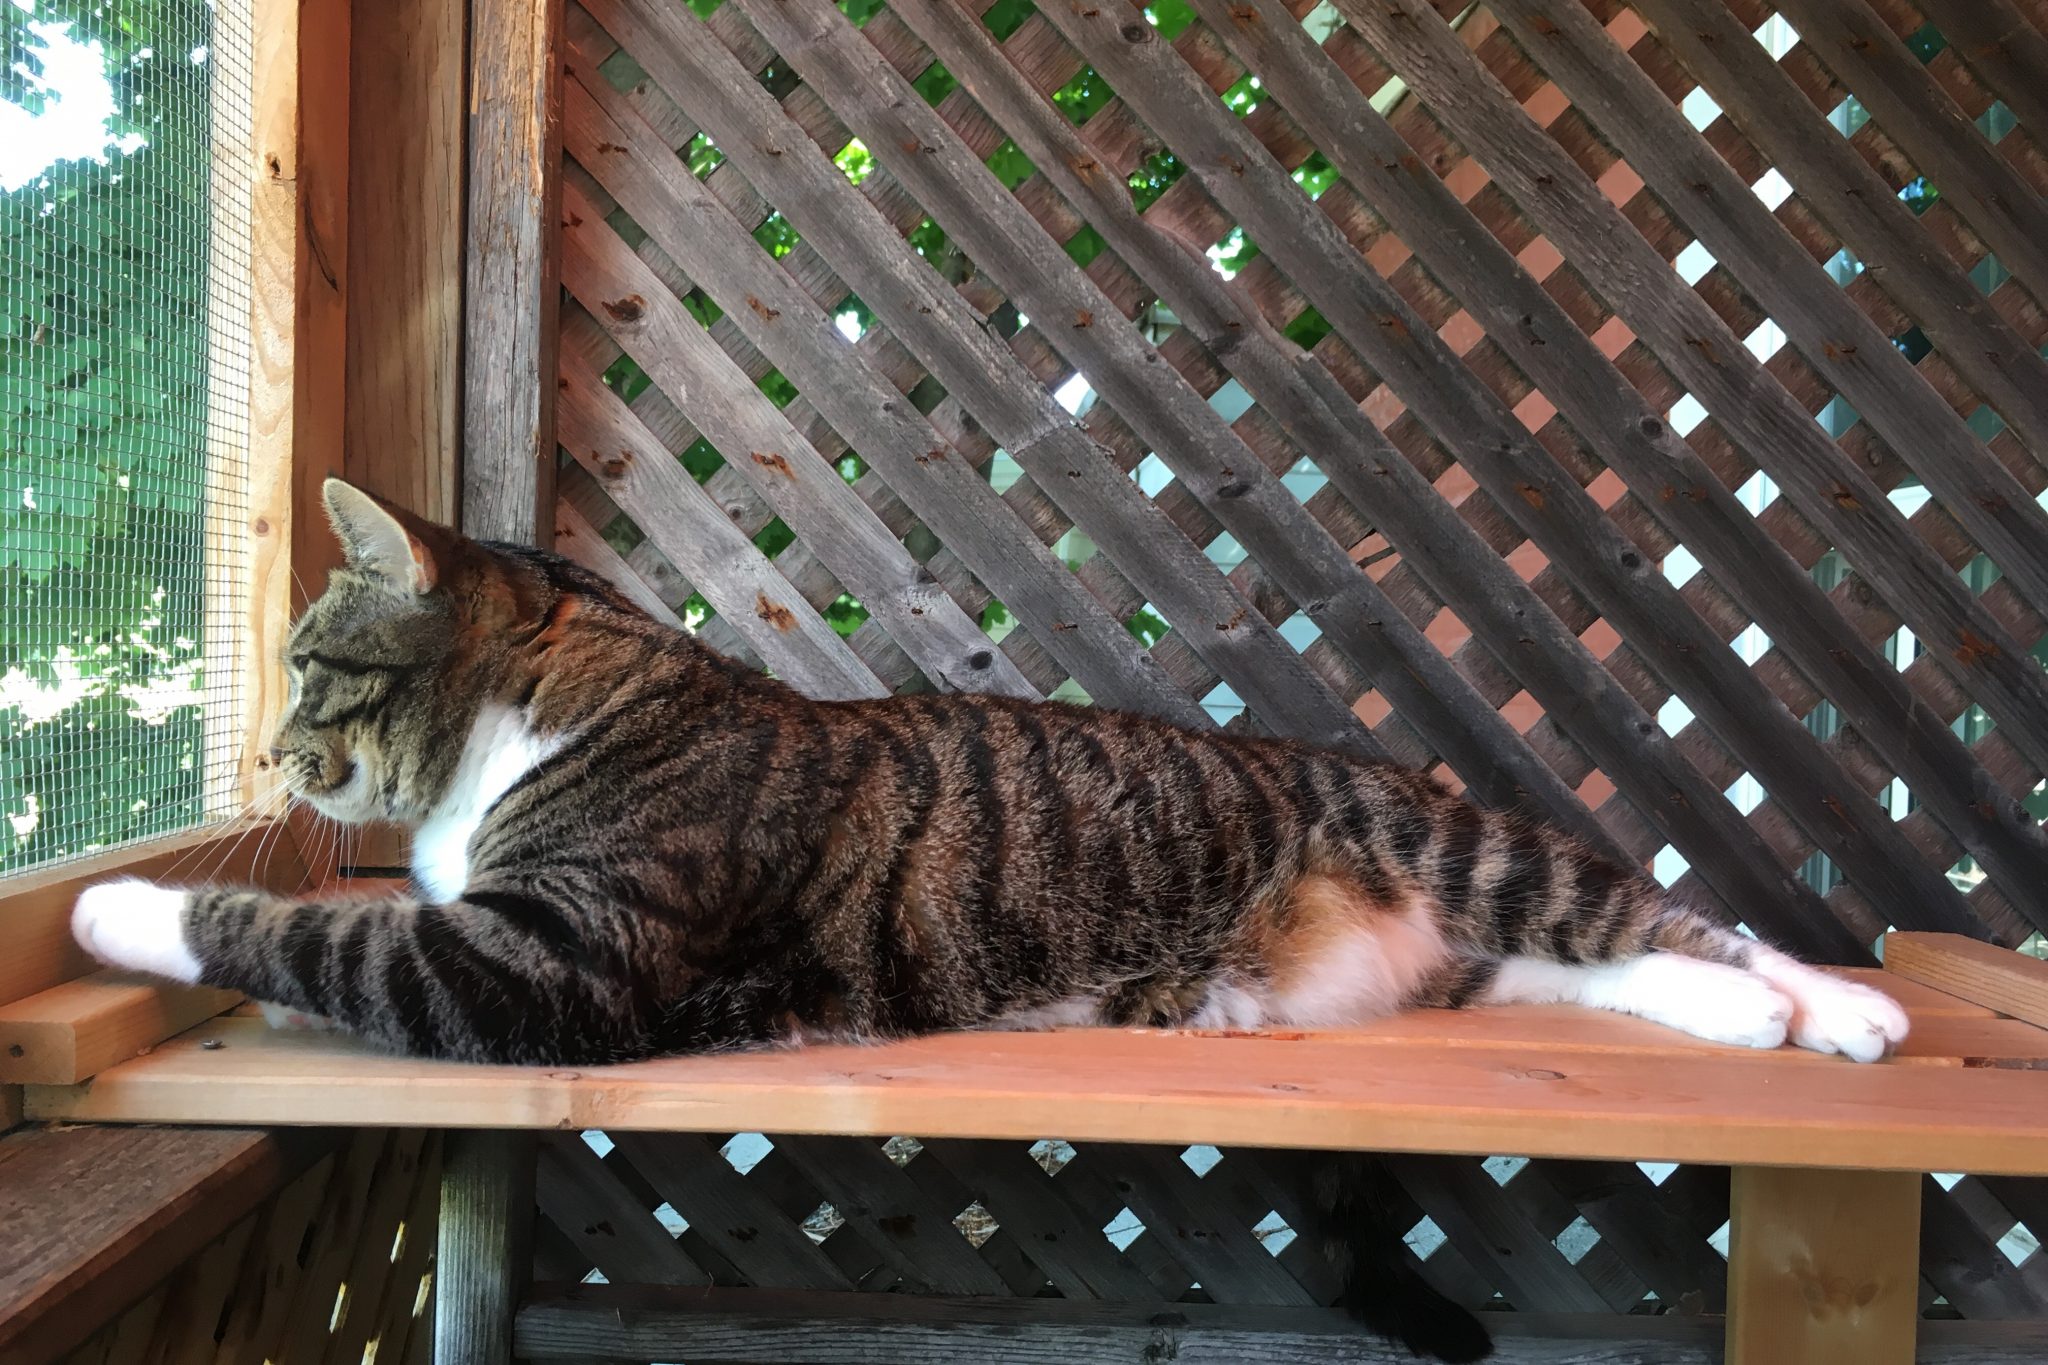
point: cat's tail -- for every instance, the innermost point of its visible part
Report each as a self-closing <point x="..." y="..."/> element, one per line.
<point x="1353" y="1208"/>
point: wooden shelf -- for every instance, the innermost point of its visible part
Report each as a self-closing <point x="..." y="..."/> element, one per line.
<point x="1969" y="1092"/>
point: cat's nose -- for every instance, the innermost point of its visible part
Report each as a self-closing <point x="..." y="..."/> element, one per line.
<point x="276" y="755"/>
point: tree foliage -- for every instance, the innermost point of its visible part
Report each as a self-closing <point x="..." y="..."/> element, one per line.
<point x="103" y="376"/>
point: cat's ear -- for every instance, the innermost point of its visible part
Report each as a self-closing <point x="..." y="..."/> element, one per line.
<point x="380" y="540"/>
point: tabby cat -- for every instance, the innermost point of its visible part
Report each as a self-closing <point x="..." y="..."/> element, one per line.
<point x="626" y="845"/>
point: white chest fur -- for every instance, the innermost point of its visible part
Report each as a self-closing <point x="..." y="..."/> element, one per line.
<point x="500" y="750"/>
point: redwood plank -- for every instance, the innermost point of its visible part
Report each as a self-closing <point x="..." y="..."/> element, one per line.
<point x="1981" y="973"/>
<point x="1823" y="1267"/>
<point x="1307" y="1091"/>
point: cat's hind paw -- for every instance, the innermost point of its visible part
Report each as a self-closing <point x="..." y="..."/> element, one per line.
<point x="135" y="925"/>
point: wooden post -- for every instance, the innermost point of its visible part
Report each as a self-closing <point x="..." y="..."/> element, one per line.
<point x="1823" y="1267"/>
<point x="512" y="297"/>
<point x="485" y="1246"/>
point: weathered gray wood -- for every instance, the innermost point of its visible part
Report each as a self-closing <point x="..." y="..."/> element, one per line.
<point x="1470" y="418"/>
<point x="1067" y="1246"/>
<point x="1917" y="114"/>
<point x="1701" y="351"/>
<point x="797" y="482"/>
<point x="1183" y="430"/>
<point x="997" y="1245"/>
<point x="1573" y="373"/>
<point x="1966" y="1266"/>
<point x="577" y="492"/>
<point x="885" y="1207"/>
<point x="585" y="342"/>
<point x="1226" y="1259"/>
<point x="1026" y="501"/>
<point x="584" y="1198"/>
<point x="577" y="539"/>
<point x="1651" y="1232"/>
<point x="690" y="529"/>
<point x="948" y="494"/>
<point x="726" y="1210"/>
<point x="510" y="294"/>
<point x="851" y="1329"/>
<point x="1853" y="200"/>
<point x="1527" y="1267"/>
<point x="2010" y="54"/>
<point x="979" y="370"/>
<point x="485" y="1244"/>
<point x="1536" y="332"/>
<point x="565" y="1322"/>
<point x="1084" y="1181"/>
<point x="1835" y="337"/>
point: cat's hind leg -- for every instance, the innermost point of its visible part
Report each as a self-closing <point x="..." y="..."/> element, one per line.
<point x="1714" y="983"/>
<point x="1711" y="1000"/>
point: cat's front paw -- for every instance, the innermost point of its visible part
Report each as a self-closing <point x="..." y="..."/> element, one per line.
<point x="136" y="925"/>
<point x="286" y="1018"/>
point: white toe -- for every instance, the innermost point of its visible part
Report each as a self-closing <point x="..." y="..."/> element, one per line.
<point x="1749" y="1012"/>
<point x="284" y="1017"/>
<point x="1834" y="1015"/>
<point x="135" y="925"/>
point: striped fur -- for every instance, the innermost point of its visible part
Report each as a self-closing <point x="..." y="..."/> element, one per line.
<point x="675" y="854"/>
<point x="629" y="846"/>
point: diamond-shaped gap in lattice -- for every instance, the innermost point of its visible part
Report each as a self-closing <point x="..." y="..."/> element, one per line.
<point x="1273" y="1233"/>
<point x="1425" y="1238"/>
<point x="1575" y="1239"/>
<point x="1123" y="1228"/>
<point x="976" y="1224"/>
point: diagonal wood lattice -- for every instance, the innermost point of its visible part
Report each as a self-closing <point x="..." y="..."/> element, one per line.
<point x="1632" y="413"/>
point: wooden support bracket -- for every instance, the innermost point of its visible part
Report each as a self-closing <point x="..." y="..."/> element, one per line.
<point x="70" y="1032"/>
<point x="1981" y="973"/>
<point x="485" y="1244"/>
<point x="1823" y="1267"/>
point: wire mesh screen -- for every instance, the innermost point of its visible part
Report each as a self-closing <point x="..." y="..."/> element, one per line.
<point x="124" y="345"/>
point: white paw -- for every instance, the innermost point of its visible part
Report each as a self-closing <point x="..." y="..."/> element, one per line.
<point x="1740" y="1009"/>
<point x="136" y="925"/>
<point x="284" y="1017"/>
<point x="1833" y="1015"/>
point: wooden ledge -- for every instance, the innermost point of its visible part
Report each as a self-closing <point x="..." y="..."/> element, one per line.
<point x="641" y="1322"/>
<point x="96" y="1217"/>
<point x="1968" y="1094"/>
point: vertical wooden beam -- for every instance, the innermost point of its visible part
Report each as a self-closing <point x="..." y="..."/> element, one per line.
<point x="515" y="156"/>
<point x="316" y="178"/>
<point x="1823" y="1267"/>
<point x="405" y="252"/>
<point x="402" y="279"/>
<point x="484" y="1244"/>
<point x="320" y="355"/>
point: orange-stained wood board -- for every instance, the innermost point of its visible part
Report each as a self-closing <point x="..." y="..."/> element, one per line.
<point x="80" y="1028"/>
<point x="1535" y="1081"/>
<point x="1982" y="973"/>
<point x="36" y="906"/>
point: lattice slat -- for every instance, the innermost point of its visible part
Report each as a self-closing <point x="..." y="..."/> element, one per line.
<point x="1521" y="399"/>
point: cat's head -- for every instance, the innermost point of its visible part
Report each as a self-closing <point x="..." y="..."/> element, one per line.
<point x="417" y="629"/>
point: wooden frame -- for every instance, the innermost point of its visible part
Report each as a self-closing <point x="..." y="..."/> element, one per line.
<point x="290" y="179"/>
<point x="1826" y="1202"/>
<point x="428" y="374"/>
